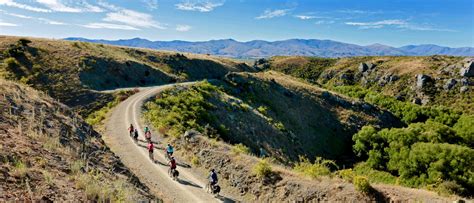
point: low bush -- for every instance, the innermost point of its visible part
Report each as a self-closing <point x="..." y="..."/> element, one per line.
<point x="345" y="174"/>
<point x="320" y="167"/>
<point x="195" y="160"/>
<point x="362" y="184"/>
<point x="262" y="169"/>
<point x="240" y="149"/>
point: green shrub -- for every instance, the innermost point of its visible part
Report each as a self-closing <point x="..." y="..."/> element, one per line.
<point x="240" y="148"/>
<point x="262" y="169"/>
<point x="262" y="110"/>
<point x="362" y="184"/>
<point x="448" y="188"/>
<point x="320" y="167"/>
<point x="195" y="160"/>
<point x="346" y="174"/>
<point x="465" y="129"/>
<point x="375" y="176"/>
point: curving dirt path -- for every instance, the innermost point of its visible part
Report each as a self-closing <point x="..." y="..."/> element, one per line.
<point x="154" y="174"/>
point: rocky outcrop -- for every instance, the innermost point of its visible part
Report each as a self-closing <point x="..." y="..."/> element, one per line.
<point x="363" y="67"/>
<point x="468" y="68"/>
<point x="422" y="81"/>
<point x="449" y="84"/>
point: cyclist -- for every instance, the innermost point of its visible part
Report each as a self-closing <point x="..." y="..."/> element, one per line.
<point x="169" y="151"/>
<point x="131" y="130"/>
<point x="212" y="178"/>
<point x="172" y="164"/>
<point x="150" y="150"/>
<point x="135" y="135"/>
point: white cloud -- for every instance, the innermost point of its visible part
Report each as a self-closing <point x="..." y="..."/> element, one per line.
<point x="133" y="18"/>
<point x="5" y="24"/>
<point x="11" y="3"/>
<point x="108" y="6"/>
<point x="51" y="22"/>
<point x="304" y="17"/>
<point x="356" y="11"/>
<point x="151" y="4"/>
<point x="109" y="26"/>
<point x="376" y="24"/>
<point x="400" y="24"/>
<point x="267" y="14"/>
<point x="321" y="22"/>
<point x="205" y="6"/>
<point x="59" y="6"/>
<point x="183" y="28"/>
<point x="43" y="20"/>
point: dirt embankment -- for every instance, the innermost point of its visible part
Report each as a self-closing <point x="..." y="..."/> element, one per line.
<point x="47" y="152"/>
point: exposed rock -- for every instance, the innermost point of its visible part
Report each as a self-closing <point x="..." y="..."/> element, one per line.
<point x="468" y="69"/>
<point x="393" y="78"/>
<point x="416" y="101"/>
<point x="423" y="80"/>
<point x="425" y="101"/>
<point x="363" y="67"/>
<point x="449" y="84"/>
<point x="464" y="89"/>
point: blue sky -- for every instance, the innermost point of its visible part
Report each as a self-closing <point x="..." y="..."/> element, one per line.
<point x="364" y="22"/>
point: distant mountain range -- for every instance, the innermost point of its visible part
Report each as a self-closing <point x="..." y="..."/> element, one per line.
<point x="303" y="47"/>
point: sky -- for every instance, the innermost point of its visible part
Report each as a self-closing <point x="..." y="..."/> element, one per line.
<point x="364" y="22"/>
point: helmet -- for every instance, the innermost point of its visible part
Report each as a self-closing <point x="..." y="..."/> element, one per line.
<point x="172" y="157"/>
<point x="212" y="170"/>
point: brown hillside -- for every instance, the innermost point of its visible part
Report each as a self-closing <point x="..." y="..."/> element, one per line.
<point x="48" y="153"/>
<point x="70" y="71"/>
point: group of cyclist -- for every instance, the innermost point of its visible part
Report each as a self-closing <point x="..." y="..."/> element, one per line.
<point x="169" y="154"/>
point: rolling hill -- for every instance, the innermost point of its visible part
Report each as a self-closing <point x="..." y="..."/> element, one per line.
<point x="291" y="47"/>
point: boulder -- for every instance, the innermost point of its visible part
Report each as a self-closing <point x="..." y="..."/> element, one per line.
<point x="423" y="80"/>
<point x="449" y="84"/>
<point x="363" y="67"/>
<point x="393" y="78"/>
<point x="468" y="69"/>
<point x="416" y="101"/>
<point x="464" y="89"/>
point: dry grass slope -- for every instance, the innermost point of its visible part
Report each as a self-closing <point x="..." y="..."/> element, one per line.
<point x="47" y="152"/>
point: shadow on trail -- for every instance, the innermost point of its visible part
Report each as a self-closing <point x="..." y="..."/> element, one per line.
<point x="225" y="199"/>
<point x="184" y="182"/>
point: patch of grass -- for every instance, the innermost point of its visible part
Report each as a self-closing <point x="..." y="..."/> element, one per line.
<point x="48" y="178"/>
<point x="240" y="149"/>
<point x="20" y="169"/>
<point x="262" y="169"/>
<point x="375" y="176"/>
<point x="346" y="174"/>
<point x="51" y="143"/>
<point x="77" y="166"/>
<point x="195" y="160"/>
<point x="362" y="184"/>
<point x="98" y="187"/>
<point x="320" y="167"/>
<point x="98" y="116"/>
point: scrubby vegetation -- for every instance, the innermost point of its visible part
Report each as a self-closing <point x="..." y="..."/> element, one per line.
<point x="98" y="116"/>
<point x="179" y="111"/>
<point x="320" y="167"/>
<point x="262" y="169"/>
<point x="421" y="154"/>
<point x="362" y="184"/>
